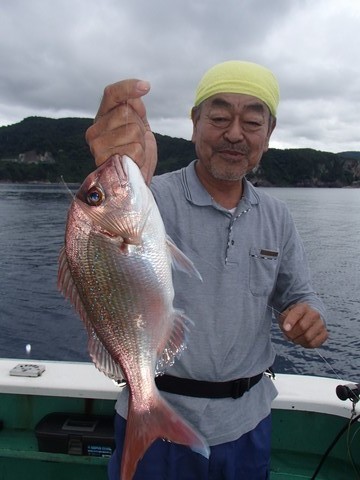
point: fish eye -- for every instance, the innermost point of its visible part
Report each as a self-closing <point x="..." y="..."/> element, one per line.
<point x="95" y="196"/>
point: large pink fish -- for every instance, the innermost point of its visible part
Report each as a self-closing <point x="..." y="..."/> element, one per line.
<point x="115" y="268"/>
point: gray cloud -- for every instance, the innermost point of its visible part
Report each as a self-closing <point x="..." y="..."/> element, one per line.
<point x="57" y="57"/>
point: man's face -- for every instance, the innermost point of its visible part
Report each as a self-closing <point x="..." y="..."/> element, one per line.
<point x="231" y="132"/>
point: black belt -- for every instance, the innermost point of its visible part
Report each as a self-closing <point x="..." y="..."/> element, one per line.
<point x="202" y="389"/>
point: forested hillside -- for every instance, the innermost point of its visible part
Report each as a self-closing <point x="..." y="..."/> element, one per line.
<point x="44" y="149"/>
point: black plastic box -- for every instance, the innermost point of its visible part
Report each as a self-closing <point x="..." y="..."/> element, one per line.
<point x="76" y="434"/>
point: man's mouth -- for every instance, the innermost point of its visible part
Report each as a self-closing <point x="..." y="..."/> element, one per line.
<point x="232" y="154"/>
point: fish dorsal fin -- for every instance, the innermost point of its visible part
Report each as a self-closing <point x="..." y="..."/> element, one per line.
<point x="176" y="343"/>
<point x="180" y="261"/>
<point x="98" y="353"/>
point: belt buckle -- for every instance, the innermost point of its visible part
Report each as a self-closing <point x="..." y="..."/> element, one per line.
<point x="239" y="387"/>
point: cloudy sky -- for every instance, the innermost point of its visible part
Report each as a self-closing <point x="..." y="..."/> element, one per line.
<point x="57" y="56"/>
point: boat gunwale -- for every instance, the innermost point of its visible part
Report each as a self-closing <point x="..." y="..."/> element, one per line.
<point x="83" y="380"/>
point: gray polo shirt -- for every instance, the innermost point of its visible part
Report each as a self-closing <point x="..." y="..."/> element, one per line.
<point x="249" y="261"/>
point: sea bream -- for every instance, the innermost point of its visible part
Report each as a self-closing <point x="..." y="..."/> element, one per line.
<point x="115" y="268"/>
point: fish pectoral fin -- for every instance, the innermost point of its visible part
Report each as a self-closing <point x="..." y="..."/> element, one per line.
<point x="176" y="344"/>
<point x="130" y="227"/>
<point x="180" y="261"/>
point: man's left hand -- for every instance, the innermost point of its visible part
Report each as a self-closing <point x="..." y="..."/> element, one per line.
<point x="303" y="325"/>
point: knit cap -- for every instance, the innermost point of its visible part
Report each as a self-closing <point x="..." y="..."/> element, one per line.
<point x="240" y="77"/>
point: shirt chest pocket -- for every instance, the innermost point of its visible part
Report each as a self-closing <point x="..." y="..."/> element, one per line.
<point x="263" y="264"/>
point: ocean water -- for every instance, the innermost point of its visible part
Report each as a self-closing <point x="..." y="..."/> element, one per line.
<point x="33" y="312"/>
<point x="329" y="223"/>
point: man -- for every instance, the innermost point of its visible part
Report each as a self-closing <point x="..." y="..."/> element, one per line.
<point x="247" y="249"/>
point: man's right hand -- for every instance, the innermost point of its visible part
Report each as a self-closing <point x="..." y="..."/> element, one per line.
<point x="121" y="127"/>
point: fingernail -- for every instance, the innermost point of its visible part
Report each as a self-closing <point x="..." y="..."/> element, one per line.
<point x="143" y="86"/>
<point x="287" y="327"/>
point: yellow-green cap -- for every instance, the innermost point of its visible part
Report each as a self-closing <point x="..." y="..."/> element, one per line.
<point x="240" y="77"/>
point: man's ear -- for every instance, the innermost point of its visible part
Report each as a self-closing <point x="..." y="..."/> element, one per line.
<point x="194" y="117"/>
<point x="272" y="125"/>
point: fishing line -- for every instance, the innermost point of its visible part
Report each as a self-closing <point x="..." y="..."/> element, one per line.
<point x="67" y="188"/>
<point x="328" y="364"/>
<point x="127" y="110"/>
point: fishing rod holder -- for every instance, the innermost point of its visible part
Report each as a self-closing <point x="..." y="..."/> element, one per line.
<point x="350" y="391"/>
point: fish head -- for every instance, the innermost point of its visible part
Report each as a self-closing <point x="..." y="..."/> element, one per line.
<point x="115" y="199"/>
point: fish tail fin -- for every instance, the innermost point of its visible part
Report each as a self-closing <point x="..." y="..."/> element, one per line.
<point x="161" y="421"/>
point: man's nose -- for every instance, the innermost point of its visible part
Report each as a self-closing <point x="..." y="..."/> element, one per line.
<point x="234" y="133"/>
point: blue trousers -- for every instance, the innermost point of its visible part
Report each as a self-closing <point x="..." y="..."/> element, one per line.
<point x="247" y="458"/>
